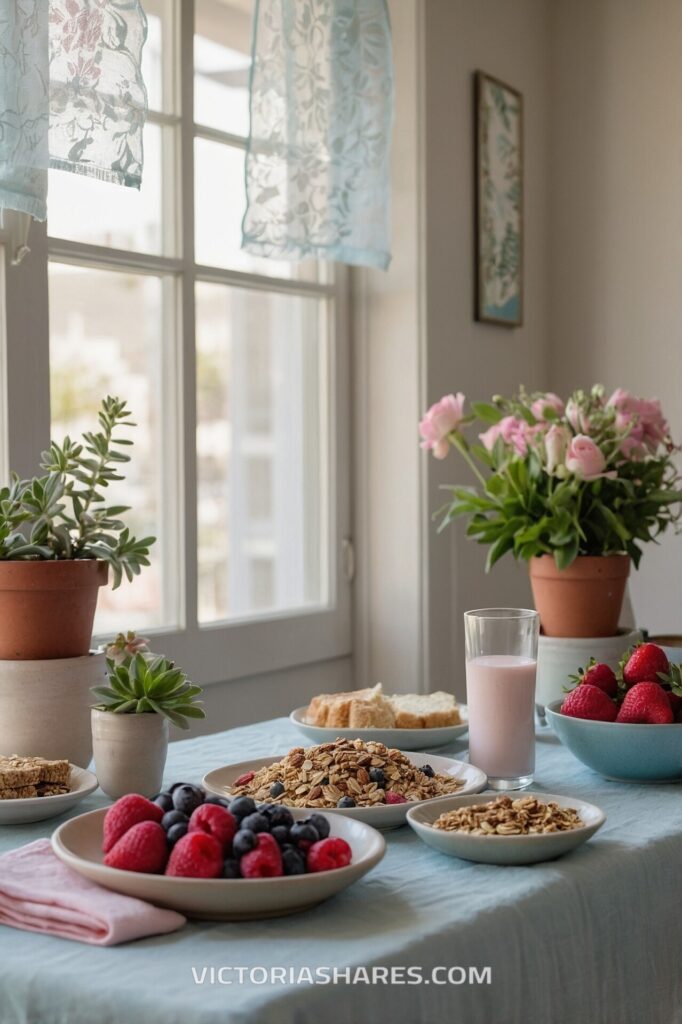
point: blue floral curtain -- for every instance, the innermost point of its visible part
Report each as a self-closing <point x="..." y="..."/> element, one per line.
<point x="317" y="164"/>
<point x="71" y="94"/>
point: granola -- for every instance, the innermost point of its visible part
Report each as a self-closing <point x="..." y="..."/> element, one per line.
<point x="25" y="777"/>
<point x="506" y="817"/>
<point x="369" y="774"/>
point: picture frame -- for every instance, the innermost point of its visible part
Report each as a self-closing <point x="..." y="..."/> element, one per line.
<point x="499" y="201"/>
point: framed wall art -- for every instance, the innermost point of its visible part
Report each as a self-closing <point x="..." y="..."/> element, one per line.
<point x="499" y="202"/>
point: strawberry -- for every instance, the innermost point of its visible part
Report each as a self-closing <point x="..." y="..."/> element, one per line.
<point x="125" y="813"/>
<point x="141" y="848"/>
<point x="591" y="702"/>
<point x="196" y="855"/>
<point x="675" y="701"/>
<point x="644" y="663"/>
<point x="216" y="821"/>
<point x="646" y="703"/>
<point x="598" y="674"/>
<point x="263" y="862"/>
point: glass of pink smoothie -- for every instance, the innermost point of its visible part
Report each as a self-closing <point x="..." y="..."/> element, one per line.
<point x="501" y="662"/>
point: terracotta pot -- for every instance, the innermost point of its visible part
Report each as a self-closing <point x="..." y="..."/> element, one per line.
<point x="581" y="601"/>
<point x="45" y="707"/>
<point x="47" y="608"/>
<point x="130" y="752"/>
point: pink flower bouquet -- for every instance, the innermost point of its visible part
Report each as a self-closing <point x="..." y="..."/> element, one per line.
<point x="593" y="476"/>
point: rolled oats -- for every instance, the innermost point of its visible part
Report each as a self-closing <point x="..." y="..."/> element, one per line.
<point x="506" y="817"/>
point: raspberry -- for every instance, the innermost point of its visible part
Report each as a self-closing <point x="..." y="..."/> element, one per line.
<point x="215" y="821"/>
<point x="329" y="854"/>
<point x="588" y="701"/>
<point x="196" y="855"/>
<point x="125" y="813"/>
<point x="395" y="798"/>
<point x="263" y="862"/>
<point x="142" y="848"/>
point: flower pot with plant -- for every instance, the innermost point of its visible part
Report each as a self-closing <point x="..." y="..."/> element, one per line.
<point x="58" y="539"/>
<point x="573" y="489"/>
<point x="145" y="693"/>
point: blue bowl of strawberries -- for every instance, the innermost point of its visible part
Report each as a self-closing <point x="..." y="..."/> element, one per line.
<point x="627" y="724"/>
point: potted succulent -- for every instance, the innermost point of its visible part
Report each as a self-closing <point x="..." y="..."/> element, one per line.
<point x="58" y="539"/>
<point x="145" y="692"/>
<point x="573" y="489"/>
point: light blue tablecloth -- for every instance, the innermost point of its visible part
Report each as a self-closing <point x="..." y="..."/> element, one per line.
<point x="594" y="938"/>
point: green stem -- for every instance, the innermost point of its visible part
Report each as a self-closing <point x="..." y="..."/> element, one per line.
<point x="460" y="444"/>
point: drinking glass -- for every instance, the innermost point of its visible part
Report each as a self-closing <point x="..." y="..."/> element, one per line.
<point x="501" y="663"/>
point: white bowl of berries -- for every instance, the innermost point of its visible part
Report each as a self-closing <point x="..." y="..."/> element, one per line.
<point x="626" y="725"/>
<point x="188" y="852"/>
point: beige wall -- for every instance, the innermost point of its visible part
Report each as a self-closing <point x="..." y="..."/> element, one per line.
<point x="616" y="225"/>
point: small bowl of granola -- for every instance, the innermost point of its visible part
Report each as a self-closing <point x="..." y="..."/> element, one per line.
<point x="526" y="829"/>
<point x="368" y="781"/>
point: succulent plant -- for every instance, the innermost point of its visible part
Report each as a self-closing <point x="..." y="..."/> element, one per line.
<point x="124" y="645"/>
<point x="145" y="683"/>
<point x="62" y="515"/>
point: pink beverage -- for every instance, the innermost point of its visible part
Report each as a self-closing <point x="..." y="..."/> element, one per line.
<point x="501" y="699"/>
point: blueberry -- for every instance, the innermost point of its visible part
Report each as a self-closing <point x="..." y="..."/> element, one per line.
<point x="293" y="861"/>
<point x="221" y="801"/>
<point x="244" y="841"/>
<point x="346" y="801"/>
<point x="176" y="785"/>
<point x="164" y="801"/>
<point x="428" y="770"/>
<point x="176" y="832"/>
<point x="324" y="781"/>
<point x="281" y="834"/>
<point x="267" y="809"/>
<point x="377" y="775"/>
<point x="276" y="789"/>
<point x="171" y="818"/>
<point x="242" y="805"/>
<point x="321" y="823"/>
<point x="231" y="868"/>
<point x="281" y="816"/>
<point x="303" y="832"/>
<point x="256" y="822"/>
<point x="187" y="798"/>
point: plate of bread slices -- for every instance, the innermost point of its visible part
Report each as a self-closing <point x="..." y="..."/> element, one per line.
<point x="414" y="721"/>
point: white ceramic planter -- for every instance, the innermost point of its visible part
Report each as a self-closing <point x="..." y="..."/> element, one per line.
<point x="560" y="657"/>
<point x="130" y="752"/>
<point x="45" y="707"/>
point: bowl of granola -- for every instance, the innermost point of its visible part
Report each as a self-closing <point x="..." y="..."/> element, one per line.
<point x="368" y="781"/>
<point x="526" y="829"/>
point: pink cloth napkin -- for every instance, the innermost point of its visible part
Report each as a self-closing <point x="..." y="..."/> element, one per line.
<point x="39" y="893"/>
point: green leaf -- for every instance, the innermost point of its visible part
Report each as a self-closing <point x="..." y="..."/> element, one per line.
<point x="487" y="412"/>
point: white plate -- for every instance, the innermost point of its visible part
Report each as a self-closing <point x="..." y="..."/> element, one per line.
<point x="38" y="808"/>
<point x="384" y="816"/>
<point x="78" y="843"/>
<point x="413" y="739"/>
<point x="504" y="849"/>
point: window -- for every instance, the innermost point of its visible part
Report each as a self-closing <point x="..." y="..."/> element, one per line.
<point x="235" y="368"/>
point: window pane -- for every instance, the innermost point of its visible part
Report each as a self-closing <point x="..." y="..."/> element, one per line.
<point x="106" y="334"/>
<point x="222" y="58"/>
<point x="159" y="49"/>
<point x="87" y="210"/>
<point x="262" y="451"/>
<point x="219" y="209"/>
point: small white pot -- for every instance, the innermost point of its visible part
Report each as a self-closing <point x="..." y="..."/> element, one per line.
<point x="130" y="752"/>
<point x="45" y="707"/>
<point x="560" y="657"/>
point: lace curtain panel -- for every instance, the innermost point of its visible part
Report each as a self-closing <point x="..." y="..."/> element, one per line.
<point x="317" y="164"/>
<point x="72" y="95"/>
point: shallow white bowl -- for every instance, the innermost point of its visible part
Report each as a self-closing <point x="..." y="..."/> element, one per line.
<point x="78" y="843"/>
<point x="384" y="816"/>
<point x="39" y="808"/>
<point x="414" y="739"/>
<point x="504" y="849"/>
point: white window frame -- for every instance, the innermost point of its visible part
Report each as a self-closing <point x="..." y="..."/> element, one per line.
<point x="231" y="649"/>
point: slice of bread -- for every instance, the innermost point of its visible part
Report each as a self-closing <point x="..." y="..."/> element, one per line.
<point x="332" y="710"/>
<point x="425" y="711"/>
<point x="373" y="712"/>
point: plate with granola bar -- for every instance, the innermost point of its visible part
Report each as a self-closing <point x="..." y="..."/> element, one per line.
<point x="416" y="721"/>
<point x="34" y="788"/>
<point x="364" y="780"/>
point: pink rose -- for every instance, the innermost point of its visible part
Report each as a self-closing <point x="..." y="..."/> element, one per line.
<point x="653" y="421"/>
<point x="490" y="436"/>
<point x="556" y="445"/>
<point x="642" y="418"/>
<point x="585" y="458"/>
<point x="548" y="401"/>
<point x="577" y="417"/>
<point x="441" y="419"/>
<point x="515" y="432"/>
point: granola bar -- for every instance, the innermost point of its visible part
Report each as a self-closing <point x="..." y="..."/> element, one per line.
<point x="19" y="793"/>
<point x="322" y="775"/>
<point x="20" y="773"/>
<point x="506" y="817"/>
